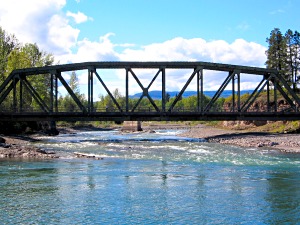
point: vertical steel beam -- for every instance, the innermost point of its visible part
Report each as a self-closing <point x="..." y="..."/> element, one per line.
<point x="268" y="96"/>
<point x="126" y="89"/>
<point x="201" y="94"/>
<point x="275" y="94"/>
<point x="198" y="91"/>
<point x="92" y="92"/>
<point x="15" y="81"/>
<point x="233" y="92"/>
<point x="163" y="88"/>
<point x="239" y="92"/>
<point x="89" y="90"/>
<point x="21" y="95"/>
<point x="51" y="92"/>
<point x="56" y="92"/>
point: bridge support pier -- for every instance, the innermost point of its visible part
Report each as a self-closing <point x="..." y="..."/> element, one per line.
<point x="132" y="126"/>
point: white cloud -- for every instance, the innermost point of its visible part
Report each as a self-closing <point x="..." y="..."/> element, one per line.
<point x="102" y="50"/>
<point x="243" y="26"/>
<point x="45" y="23"/>
<point x="79" y="17"/>
<point x="41" y="22"/>
<point x="278" y="11"/>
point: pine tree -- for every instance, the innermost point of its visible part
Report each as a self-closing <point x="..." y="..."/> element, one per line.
<point x="293" y="54"/>
<point x="277" y="53"/>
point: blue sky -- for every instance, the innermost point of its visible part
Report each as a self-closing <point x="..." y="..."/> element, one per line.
<point x="145" y="22"/>
<point x="231" y="31"/>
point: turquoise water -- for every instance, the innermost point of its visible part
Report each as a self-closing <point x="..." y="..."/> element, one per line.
<point x="150" y="179"/>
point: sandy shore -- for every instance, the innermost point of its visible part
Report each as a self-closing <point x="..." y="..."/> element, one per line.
<point x="283" y="142"/>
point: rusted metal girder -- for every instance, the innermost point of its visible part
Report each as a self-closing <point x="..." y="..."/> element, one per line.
<point x="17" y="84"/>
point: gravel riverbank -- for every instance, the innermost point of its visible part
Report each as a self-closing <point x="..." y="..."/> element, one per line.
<point x="283" y="142"/>
<point x="21" y="146"/>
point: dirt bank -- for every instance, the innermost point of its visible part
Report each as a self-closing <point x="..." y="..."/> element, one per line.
<point x="284" y="142"/>
<point x="21" y="147"/>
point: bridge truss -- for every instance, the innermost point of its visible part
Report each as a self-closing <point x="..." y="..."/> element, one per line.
<point x="281" y="102"/>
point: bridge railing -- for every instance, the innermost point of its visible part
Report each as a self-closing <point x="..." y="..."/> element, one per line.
<point x="283" y="108"/>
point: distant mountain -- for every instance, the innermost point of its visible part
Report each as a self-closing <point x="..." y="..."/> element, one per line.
<point x="157" y="94"/>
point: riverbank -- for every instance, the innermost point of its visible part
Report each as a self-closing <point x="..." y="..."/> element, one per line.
<point x="283" y="142"/>
<point x="22" y="147"/>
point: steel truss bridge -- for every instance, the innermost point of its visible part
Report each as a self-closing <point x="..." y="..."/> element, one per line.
<point x="19" y="84"/>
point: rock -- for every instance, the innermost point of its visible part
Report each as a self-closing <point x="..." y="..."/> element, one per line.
<point x="2" y="140"/>
<point x="28" y="130"/>
<point x="273" y="143"/>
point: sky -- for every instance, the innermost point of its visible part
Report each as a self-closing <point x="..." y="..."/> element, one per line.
<point x="231" y="31"/>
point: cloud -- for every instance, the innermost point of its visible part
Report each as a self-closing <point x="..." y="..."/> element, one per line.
<point x="41" y="22"/>
<point x="278" y="11"/>
<point x="79" y="17"/>
<point x="240" y="52"/>
<point x="45" y="23"/>
<point x="243" y="26"/>
<point x="102" y="50"/>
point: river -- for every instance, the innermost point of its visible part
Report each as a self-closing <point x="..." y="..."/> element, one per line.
<point x="150" y="178"/>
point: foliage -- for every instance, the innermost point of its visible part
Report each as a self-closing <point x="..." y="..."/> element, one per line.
<point x="7" y="44"/>
<point x="283" y="54"/>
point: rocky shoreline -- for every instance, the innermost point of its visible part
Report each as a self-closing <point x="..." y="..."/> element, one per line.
<point x="282" y="142"/>
<point x="21" y="146"/>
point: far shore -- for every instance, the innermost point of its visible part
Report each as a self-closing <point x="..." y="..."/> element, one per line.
<point x="20" y="146"/>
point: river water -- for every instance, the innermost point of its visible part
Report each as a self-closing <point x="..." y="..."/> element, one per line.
<point x="150" y="179"/>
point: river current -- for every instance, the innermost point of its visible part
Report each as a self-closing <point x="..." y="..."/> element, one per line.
<point x="150" y="178"/>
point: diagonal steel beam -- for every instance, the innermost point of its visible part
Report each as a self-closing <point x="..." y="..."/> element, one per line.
<point x="184" y="88"/>
<point x="247" y="105"/>
<point x="287" y="98"/>
<point x="253" y="93"/>
<point x="220" y="91"/>
<point x="145" y="90"/>
<point x="288" y="88"/>
<point x="6" y="92"/>
<point x="34" y="94"/>
<point x="70" y="91"/>
<point x="108" y="92"/>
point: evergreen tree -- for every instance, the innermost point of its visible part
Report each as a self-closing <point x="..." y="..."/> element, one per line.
<point x="293" y="55"/>
<point x="277" y="53"/>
